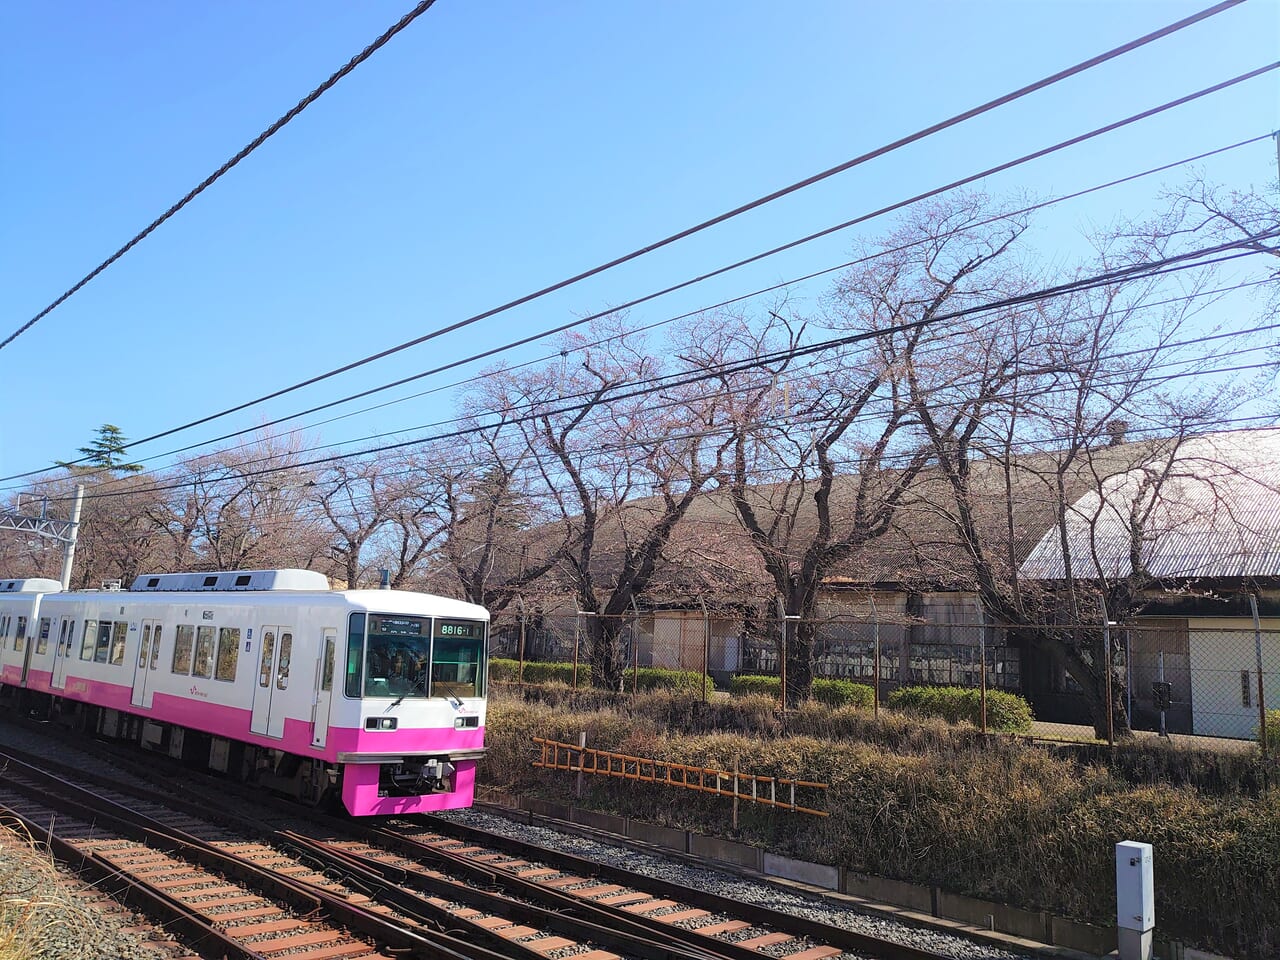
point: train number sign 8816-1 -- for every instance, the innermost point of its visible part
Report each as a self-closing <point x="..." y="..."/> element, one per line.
<point x="460" y="629"/>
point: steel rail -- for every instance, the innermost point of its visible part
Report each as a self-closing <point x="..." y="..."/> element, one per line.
<point x="599" y="923"/>
<point x="763" y="916"/>
<point x="375" y="880"/>
<point x="61" y="794"/>
<point x="387" y="837"/>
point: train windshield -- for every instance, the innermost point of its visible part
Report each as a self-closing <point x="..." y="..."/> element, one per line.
<point x="457" y="659"/>
<point x="398" y="651"/>
<point x="406" y="657"/>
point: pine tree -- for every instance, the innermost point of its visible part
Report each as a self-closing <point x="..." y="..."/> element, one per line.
<point x="106" y="452"/>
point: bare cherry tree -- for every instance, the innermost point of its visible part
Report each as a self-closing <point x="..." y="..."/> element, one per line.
<point x="620" y="456"/>
<point x="825" y="440"/>
<point x="1033" y="412"/>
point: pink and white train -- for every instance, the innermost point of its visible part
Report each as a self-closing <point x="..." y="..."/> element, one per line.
<point x="374" y="696"/>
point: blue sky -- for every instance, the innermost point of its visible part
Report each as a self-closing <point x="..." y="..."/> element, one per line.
<point x="493" y="148"/>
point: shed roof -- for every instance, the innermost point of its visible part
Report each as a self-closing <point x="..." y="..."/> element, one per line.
<point x="1210" y="508"/>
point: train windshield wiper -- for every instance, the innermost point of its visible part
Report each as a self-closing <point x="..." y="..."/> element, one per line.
<point x="420" y="683"/>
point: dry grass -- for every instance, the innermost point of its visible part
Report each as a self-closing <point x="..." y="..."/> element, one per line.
<point x="39" y="915"/>
<point x="995" y="818"/>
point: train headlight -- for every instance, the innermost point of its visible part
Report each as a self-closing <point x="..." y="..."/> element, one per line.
<point x="464" y="723"/>
<point x="379" y="723"/>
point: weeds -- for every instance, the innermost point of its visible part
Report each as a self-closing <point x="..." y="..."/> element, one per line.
<point x="921" y="800"/>
<point x="38" y="918"/>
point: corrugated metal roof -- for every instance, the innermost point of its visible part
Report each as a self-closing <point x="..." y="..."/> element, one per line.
<point x="1212" y="509"/>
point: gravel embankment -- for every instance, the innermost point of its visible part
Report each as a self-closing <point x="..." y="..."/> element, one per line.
<point x="743" y="889"/>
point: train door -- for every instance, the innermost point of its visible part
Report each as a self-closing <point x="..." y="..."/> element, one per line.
<point x="273" y="679"/>
<point x="324" y="688"/>
<point x="33" y="627"/>
<point x="66" y="633"/>
<point x="142" y="691"/>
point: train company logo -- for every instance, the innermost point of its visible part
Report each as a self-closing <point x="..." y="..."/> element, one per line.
<point x="197" y="692"/>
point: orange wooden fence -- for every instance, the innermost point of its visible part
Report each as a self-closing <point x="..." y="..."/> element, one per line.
<point x="740" y="786"/>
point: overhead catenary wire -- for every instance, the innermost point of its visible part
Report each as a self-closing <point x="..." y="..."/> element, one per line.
<point x="665" y="381"/>
<point x="721" y="218"/>
<point x="561" y="328"/>
<point x="662" y="382"/>
<point x="208" y="181"/>
<point x="1242" y="248"/>
<point x="811" y="349"/>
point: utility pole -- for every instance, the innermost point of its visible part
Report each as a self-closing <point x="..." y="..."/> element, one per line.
<point x="64" y="531"/>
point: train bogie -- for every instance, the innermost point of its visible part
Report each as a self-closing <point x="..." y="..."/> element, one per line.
<point x="375" y="696"/>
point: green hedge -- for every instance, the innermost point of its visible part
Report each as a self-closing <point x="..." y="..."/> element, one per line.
<point x="535" y="671"/>
<point x="834" y="693"/>
<point x="748" y="684"/>
<point x="1005" y="711"/>
<point x="646" y="678"/>
<point x="843" y="693"/>
<point x="661" y="678"/>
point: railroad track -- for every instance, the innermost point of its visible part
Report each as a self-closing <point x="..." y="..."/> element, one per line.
<point x="426" y="876"/>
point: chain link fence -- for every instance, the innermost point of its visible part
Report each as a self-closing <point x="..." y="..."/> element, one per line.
<point x="1215" y="678"/>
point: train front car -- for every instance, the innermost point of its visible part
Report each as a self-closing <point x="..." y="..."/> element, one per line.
<point x="413" y="705"/>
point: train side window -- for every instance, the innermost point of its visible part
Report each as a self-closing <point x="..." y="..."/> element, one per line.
<point x="203" y="666"/>
<point x="286" y="650"/>
<point x="87" y="641"/>
<point x="42" y="637"/>
<point x="183" y="641"/>
<point x="20" y="635"/>
<point x="103" y="646"/>
<point x="119" y="635"/>
<point x="144" y="648"/>
<point x="155" y="646"/>
<point x="4" y="629"/>
<point x="355" y="654"/>
<point x="66" y="634"/>
<point x="326" y="675"/>
<point x="228" y="653"/>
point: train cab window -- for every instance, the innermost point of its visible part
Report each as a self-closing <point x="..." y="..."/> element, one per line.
<point x="119" y="634"/>
<point x="457" y="658"/>
<point x="228" y="653"/>
<point x="88" y="640"/>
<point x="286" y="652"/>
<point x="42" y="635"/>
<point x="203" y="664"/>
<point x="399" y="649"/>
<point x="155" y="646"/>
<point x="103" y="645"/>
<point x="20" y="635"/>
<point x="355" y="654"/>
<point x="183" y="641"/>
<point x="144" y="648"/>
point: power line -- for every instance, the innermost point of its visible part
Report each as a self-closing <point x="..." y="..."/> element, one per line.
<point x="667" y="381"/>
<point x="723" y="217"/>
<point x="1245" y="247"/>
<point x="486" y="354"/>
<point x="208" y="181"/>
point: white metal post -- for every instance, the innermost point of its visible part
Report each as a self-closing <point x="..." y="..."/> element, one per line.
<point x="69" y="548"/>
